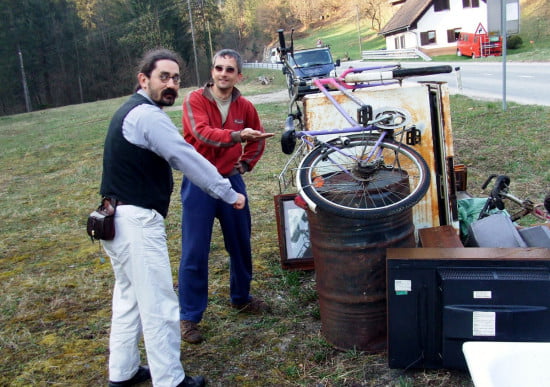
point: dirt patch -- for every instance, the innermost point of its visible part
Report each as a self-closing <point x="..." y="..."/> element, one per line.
<point x="277" y="96"/>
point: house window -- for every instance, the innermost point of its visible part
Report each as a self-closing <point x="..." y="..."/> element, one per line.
<point x="441" y="5"/>
<point x="470" y="3"/>
<point x="452" y="35"/>
<point x="427" y="37"/>
<point x="399" y="42"/>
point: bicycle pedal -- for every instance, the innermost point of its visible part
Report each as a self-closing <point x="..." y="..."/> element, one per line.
<point x="414" y="136"/>
<point x="364" y="115"/>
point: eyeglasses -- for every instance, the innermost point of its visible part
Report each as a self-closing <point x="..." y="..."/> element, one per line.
<point x="165" y="77"/>
<point x="228" y="69"/>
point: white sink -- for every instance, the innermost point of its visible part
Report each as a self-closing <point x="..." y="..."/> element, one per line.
<point x="508" y="364"/>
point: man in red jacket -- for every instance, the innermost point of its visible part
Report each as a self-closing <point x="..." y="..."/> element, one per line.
<point x="225" y="128"/>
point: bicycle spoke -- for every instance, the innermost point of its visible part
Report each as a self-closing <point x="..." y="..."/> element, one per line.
<point x="338" y="177"/>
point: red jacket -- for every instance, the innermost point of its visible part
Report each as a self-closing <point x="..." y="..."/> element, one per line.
<point x="202" y="128"/>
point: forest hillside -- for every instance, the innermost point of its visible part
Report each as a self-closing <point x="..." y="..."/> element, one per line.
<point x="62" y="52"/>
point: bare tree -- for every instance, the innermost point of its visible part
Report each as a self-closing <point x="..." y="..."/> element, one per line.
<point x="376" y="11"/>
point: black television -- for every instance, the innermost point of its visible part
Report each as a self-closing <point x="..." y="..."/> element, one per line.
<point x="439" y="298"/>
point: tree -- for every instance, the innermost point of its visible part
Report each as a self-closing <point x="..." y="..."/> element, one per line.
<point x="273" y="15"/>
<point x="44" y="32"/>
<point x="206" y="20"/>
<point x="238" y="23"/>
<point x="307" y="11"/>
<point x="375" y="11"/>
<point x="82" y="50"/>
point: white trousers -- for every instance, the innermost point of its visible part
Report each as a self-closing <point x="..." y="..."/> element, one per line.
<point x="144" y="300"/>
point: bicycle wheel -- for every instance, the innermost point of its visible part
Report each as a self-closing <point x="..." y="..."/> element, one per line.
<point x="338" y="180"/>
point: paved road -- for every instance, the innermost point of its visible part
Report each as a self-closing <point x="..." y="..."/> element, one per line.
<point x="526" y="83"/>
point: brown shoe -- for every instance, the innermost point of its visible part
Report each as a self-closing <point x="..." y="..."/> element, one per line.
<point x="190" y="332"/>
<point x="255" y="306"/>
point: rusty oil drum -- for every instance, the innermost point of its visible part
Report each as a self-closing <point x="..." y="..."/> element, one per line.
<point x="350" y="269"/>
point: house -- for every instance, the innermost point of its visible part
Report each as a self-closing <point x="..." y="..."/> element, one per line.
<point x="432" y="25"/>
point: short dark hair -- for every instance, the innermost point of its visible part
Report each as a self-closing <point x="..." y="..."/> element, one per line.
<point x="149" y="61"/>
<point x="232" y="54"/>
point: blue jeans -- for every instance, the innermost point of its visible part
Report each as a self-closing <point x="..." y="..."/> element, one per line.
<point x="199" y="212"/>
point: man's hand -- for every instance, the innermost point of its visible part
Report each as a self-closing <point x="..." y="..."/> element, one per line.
<point x="249" y="134"/>
<point x="241" y="201"/>
<point x="241" y="166"/>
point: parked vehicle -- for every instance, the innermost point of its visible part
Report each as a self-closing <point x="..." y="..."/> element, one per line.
<point x="478" y="44"/>
<point x="369" y="170"/>
<point x="274" y="56"/>
<point x="309" y="64"/>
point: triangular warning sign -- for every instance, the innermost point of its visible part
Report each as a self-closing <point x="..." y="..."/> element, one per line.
<point x="480" y="29"/>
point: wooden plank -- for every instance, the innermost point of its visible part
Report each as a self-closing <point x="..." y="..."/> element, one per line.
<point x="441" y="236"/>
<point x="519" y="253"/>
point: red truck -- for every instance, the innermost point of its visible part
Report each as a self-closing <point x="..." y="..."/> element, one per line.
<point x="478" y="44"/>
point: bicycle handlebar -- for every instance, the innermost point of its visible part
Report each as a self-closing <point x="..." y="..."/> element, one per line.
<point x="360" y="75"/>
<point x="282" y="39"/>
<point x="414" y="72"/>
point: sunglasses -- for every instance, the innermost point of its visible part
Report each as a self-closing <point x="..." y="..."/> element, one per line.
<point x="228" y="69"/>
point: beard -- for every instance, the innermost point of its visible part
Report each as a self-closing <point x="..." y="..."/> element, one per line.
<point x="167" y="97"/>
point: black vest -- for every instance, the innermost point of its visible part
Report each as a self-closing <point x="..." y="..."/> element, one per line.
<point x="132" y="174"/>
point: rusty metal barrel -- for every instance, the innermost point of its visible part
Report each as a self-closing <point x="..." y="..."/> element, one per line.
<point x="350" y="269"/>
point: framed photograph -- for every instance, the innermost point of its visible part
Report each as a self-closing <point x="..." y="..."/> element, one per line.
<point x="293" y="230"/>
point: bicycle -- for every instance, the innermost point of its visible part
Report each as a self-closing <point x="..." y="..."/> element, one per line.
<point x="370" y="170"/>
<point x="522" y="207"/>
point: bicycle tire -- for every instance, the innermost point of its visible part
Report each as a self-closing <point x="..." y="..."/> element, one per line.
<point x="336" y="184"/>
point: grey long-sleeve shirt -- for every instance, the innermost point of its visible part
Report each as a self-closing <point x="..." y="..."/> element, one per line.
<point x="149" y="127"/>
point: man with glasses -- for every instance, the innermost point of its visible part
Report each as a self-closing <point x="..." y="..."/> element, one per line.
<point x="225" y="128"/>
<point x="141" y="148"/>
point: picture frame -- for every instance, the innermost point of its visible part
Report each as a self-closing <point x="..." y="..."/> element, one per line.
<point x="293" y="232"/>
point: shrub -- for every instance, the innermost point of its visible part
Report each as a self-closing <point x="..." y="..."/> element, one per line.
<point x="514" y="42"/>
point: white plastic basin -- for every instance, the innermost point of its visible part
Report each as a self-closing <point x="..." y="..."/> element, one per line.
<point x="508" y="364"/>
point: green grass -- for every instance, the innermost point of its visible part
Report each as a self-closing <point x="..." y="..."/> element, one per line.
<point x="515" y="142"/>
<point x="253" y="85"/>
<point x="342" y="37"/>
<point x="55" y="287"/>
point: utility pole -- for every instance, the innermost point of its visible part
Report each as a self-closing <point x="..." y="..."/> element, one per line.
<point x="503" y="19"/>
<point x="503" y="32"/>
<point x="358" y="29"/>
<point x="194" y="44"/>
<point x="24" y="80"/>
<point x="21" y="65"/>
<point x="209" y="40"/>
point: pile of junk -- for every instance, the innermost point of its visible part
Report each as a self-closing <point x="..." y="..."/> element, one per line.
<point x="492" y="221"/>
<point x="458" y="270"/>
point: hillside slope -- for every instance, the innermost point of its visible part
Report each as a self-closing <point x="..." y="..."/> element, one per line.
<point x="342" y="30"/>
<point x="535" y="21"/>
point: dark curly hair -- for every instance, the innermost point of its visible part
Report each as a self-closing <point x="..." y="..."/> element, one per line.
<point x="149" y="61"/>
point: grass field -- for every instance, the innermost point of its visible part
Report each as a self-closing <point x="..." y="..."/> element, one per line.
<point x="56" y="285"/>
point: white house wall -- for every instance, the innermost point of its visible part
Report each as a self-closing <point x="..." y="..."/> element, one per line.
<point x="467" y="19"/>
<point x="411" y="40"/>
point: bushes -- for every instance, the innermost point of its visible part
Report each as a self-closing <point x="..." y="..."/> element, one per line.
<point x="513" y="42"/>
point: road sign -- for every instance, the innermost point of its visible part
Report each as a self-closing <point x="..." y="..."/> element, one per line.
<point x="494" y="16"/>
